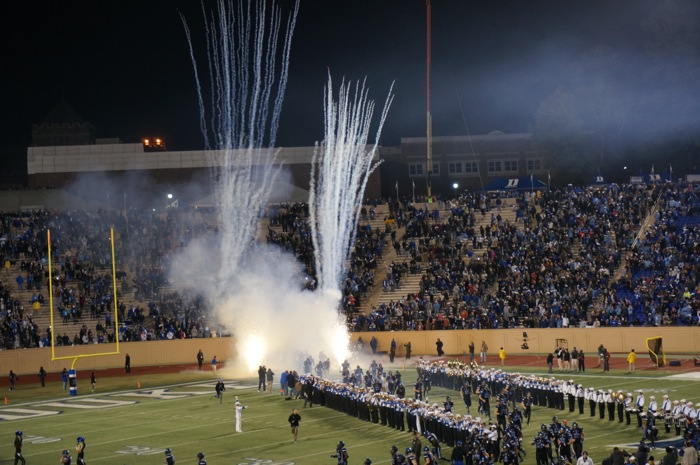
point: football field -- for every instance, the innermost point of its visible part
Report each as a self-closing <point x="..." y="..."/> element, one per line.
<point x="131" y="421"/>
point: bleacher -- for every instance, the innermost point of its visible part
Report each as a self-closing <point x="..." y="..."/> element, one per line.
<point x="466" y="262"/>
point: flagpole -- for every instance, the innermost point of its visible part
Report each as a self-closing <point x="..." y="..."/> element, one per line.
<point x="397" y="191"/>
<point x="414" y="191"/>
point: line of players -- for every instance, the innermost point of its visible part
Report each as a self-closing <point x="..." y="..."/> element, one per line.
<point x="377" y="406"/>
<point x="566" y="441"/>
<point x="672" y="414"/>
<point x="472" y="439"/>
<point x="553" y="393"/>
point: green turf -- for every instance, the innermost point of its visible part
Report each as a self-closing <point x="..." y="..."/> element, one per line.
<point x="137" y="433"/>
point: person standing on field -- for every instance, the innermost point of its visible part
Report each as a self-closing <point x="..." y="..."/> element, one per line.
<point x="294" y="420"/>
<point x="13" y="377"/>
<point x="42" y="376"/>
<point x="219" y="388"/>
<point x="269" y="377"/>
<point x="18" y="448"/>
<point x="502" y="356"/>
<point x="66" y="459"/>
<point x="80" y="449"/>
<point x="631" y="358"/>
<point x="200" y="358"/>
<point x="601" y="355"/>
<point x="239" y="415"/>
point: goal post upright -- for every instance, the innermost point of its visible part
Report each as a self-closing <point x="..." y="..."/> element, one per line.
<point x="76" y="357"/>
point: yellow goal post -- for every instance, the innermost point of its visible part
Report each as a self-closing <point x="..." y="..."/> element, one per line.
<point x="114" y="300"/>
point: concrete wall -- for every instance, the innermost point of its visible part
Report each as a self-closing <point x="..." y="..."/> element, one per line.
<point x="28" y="361"/>
<point x="540" y="341"/>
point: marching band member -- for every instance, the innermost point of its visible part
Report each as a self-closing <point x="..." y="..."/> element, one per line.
<point x="591" y="396"/>
<point x="676" y="415"/>
<point x="580" y="397"/>
<point x="609" y="399"/>
<point x="570" y="390"/>
<point x="600" y="399"/>
<point x="639" y="407"/>
<point x="666" y="412"/>
<point x="620" y="403"/>
<point x="629" y="408"/>
<point x="653" y="406"/>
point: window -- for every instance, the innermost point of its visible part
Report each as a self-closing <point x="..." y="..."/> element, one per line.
<point x="510" y="165"/>
<point x="436" y="169"/>
<point x="415" y="169"/>
<point x="494" y="166"/>
<point x="534" y="165"/>
<point x="471" y="167"/>
<point x="454" y="168"/>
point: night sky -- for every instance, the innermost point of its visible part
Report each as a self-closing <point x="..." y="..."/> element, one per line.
<point x="124" y="66"/>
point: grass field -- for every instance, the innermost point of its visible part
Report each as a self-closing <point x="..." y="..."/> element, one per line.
<point x="123" y="424"/>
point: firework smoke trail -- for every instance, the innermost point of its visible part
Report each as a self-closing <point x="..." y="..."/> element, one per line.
<point x="340" y="170"/>
<point x="248" y="61"/>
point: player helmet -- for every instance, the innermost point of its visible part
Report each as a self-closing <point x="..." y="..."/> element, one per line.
<point x="18" y="433"/>
<point x="200" y="455"/>
<point x="394" y="449"/>
<point x="409" y="450"/>
<point x="66" y="452"/>
<point x="80" y="439"/>
<point x="341" y="444"/>
<point x="368" y="461"/>
<point x="426" y="449"/>
<point x="167" y="450"/>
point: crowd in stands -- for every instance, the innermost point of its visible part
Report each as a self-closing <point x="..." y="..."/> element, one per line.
<point x="83" y="281"/>
<point x="295" y="237"/>
<point x="661" y="283"/>
<point x="552" y="266"/>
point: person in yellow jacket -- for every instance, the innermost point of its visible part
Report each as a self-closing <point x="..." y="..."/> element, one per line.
<point x="631" y="358"/>
<point x="502" y="355"/>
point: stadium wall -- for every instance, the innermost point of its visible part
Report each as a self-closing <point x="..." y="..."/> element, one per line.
<point x="679" y="340"/>
<point x="676" y="340"/>
<point x="152" y="353"/>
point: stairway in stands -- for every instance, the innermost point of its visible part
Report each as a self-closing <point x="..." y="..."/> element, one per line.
<point x="411" y="283"/>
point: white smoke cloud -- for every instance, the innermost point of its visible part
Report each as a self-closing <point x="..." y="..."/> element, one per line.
<point x="274" y="321"/>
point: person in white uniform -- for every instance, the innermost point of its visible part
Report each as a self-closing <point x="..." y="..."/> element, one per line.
<point x="239" y="415"/>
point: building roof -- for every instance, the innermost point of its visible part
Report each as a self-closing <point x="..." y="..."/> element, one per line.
<point x="62" y="113"/>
